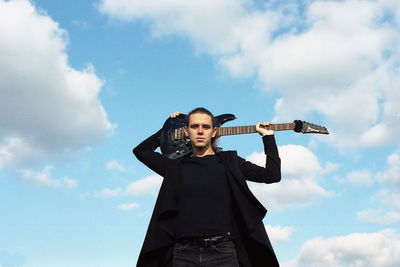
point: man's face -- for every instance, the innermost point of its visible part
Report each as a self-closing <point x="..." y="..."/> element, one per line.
<point x="200" y="130"/>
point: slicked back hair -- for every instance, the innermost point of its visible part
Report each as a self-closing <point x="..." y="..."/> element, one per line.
<point x="205" y="111"/>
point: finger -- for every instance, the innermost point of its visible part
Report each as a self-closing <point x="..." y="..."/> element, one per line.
<point x="175" y="114"/>
<point x="265" y="124"/>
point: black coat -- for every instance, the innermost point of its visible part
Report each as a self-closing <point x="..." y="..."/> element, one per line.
<point x="252" y="243"/>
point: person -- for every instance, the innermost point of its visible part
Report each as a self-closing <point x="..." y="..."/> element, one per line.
<point x="205" y="214"/>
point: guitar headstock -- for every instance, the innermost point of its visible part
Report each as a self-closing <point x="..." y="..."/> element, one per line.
<point x="306" y="127"/>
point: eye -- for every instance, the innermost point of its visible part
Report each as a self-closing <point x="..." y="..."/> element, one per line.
<point x="194" y="126"/>
<point x="207" y="126"/>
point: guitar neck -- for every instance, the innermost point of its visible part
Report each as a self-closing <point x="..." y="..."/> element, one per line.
<point x="252" y="129"/>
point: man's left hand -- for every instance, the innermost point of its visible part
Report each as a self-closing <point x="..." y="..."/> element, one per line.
<point x="262" y="130"/>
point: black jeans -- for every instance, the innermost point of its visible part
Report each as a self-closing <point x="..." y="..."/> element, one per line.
<point x="219" y="255"/>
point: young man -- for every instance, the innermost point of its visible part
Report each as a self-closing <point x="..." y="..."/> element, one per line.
<point x="205" y="214"/>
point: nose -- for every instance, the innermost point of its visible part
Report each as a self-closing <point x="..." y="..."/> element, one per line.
<point x="200" y="130"/>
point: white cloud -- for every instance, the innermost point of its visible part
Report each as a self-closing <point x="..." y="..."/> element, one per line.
<point x="115" y="165"/>
<point x="391" y="175"/>
<point x="278" y="234"/>
<point x="301" y="172"/>
<point x="14" y="149"/>
<point x="388" y="201"/>
<point x="378" y="216"/>
<point x="70" y="183"/>
<point x="80" y="23"/>
<point x="326" y="57"/>
<point x="388" y="198"/>
<point x="360" y="178"/>
<point x="128" y="206"/>
<point x="47" y="107"/>
<point x="147" y="185"/>
<point x="357" y="249"/>
<point x="44" y="178"/>
<point x="107" y="192"/>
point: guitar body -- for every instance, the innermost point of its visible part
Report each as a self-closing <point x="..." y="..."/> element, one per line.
<point x="174" y="147"/>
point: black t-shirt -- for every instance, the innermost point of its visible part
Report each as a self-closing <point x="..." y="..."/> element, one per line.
<point x="204" y="198"/>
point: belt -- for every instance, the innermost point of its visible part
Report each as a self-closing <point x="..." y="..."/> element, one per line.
<point x="203" y="242"/>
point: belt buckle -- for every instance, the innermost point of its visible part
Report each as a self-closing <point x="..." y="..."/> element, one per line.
<point x="202" y="242"/>
<point x="205" y="242"/>
<point x="208" y="242"/>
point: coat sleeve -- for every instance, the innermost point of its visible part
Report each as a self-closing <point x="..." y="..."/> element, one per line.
<point x="145" y="152"/>
<point x="271" y="173"/>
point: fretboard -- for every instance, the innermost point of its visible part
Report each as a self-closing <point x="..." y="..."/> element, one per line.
<point x="178" y="134"/>
<point x="252" y="129"/>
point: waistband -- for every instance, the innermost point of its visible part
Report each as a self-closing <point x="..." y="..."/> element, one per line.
<point x="204" y="242"/>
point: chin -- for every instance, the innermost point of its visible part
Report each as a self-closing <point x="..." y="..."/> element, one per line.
<point x="199" y="145"/>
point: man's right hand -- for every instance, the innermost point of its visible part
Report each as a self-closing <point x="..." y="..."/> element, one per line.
<point x="175" y="114"/>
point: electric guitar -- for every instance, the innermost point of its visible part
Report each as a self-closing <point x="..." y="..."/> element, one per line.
<point x="174" y="144"/>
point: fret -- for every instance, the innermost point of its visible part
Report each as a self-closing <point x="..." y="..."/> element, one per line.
<point x="234" y="130"/>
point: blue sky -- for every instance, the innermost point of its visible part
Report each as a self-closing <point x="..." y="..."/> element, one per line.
<point x="83" y="82"/>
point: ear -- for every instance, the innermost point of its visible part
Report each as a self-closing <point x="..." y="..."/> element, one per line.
<point x="185" y="130"/>
<point x="215" y="130"/>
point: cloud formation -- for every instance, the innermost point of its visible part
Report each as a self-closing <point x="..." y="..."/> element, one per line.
<point x="108" y="193"/>
<point x="387" y="199"/>
<point x="278" y="234"/>
<point x="358" y="249"/>
<point x="147" y="185"/>
<point x="391" y="175"/>
<point x="44" y="178"/>
<point x="301" y="172"/>
<point x="115" y="165"/>
<point x="321" y="56"/>
<point x="378" y="216"/>
<point x="47" y="107"/>
<point x="128" y="206"/>
<point x="360" y="178"/>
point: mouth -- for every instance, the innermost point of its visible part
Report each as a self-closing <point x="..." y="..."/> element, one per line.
<point x="199" y="139"/>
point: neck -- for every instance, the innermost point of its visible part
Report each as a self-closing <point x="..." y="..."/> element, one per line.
<point x="203" y="151"/>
